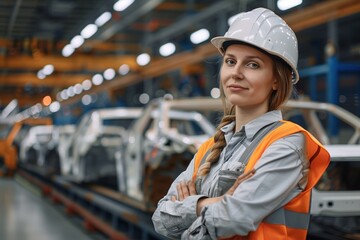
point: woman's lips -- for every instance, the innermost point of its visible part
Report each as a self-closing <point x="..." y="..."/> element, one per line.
<point x="234" y="87"/>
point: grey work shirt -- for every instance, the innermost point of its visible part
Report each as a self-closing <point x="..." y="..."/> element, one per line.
<point x="279" y="177"/>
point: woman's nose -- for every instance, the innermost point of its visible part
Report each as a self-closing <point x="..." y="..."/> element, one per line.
<point x="237" y="73"/>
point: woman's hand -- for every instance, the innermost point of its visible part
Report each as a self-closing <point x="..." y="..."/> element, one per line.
<point x="207" y="201"/>
<point x="184" y="189"/>
<point x="239" y="180"/>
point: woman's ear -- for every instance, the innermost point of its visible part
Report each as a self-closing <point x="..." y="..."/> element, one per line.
<point x="275" y="85"/>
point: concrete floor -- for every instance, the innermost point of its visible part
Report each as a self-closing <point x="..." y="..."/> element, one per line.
<point x="25" y="215"/>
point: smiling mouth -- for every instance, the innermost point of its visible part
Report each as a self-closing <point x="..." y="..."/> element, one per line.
<point x="236" y="87"/>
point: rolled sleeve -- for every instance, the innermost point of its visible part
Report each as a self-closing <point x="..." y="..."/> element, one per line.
<point x="172" y="218"/>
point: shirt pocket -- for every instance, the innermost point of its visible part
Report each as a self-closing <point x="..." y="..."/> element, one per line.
<point x="227" y="178"/>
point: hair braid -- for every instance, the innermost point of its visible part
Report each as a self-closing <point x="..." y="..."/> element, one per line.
<point x="217" y="148"/>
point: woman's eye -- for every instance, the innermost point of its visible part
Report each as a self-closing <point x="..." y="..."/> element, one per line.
<point x="253" y="65"/>
<point x="230" y="61"/>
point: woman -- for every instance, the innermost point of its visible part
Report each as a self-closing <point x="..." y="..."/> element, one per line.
<point x="253" y="179"/>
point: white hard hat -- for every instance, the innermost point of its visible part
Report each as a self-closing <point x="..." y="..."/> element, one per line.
<point x="266" y="30"/>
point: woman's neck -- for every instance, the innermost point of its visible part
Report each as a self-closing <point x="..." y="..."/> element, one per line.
<point x="246" y="115"/>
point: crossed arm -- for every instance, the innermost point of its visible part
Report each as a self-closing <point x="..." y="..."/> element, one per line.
<point x="186" y="189"/>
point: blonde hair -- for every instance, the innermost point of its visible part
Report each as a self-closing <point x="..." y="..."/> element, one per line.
<point x="278" y="97"/>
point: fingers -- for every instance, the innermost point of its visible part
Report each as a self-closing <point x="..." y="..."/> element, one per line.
<point x="180" y="192"/>
<point x="173" y="198"/>
<point x="239" y="180"/>
<point x="244" y="177"/>
<point x="192" y="188"/>
<point x="185" y="190"/>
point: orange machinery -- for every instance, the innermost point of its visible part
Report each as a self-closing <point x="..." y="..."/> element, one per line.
<point x="8" y="151"/>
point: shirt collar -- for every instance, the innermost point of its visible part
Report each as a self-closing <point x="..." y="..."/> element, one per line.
<point x="252" y="127"/>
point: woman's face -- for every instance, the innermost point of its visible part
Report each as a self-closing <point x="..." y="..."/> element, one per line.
<point x="247" y="77"/>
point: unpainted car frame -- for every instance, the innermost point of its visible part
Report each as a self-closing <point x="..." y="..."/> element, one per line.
<point x="161" y="144"/>
<point x="97" y="138"/>
<point x="35" y="145"/>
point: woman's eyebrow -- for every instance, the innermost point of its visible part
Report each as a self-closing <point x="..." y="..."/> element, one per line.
<point x="247" y="57"/>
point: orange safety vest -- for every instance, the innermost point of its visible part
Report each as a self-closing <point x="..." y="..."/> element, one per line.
<point x="291" y="221"/>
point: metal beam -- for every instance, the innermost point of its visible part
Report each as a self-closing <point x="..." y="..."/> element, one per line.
<point x="54" y="80"/>
<point x="78" y="63"/>
<point x="13" y="18"/>
<point x="181" y="26"/>
<point x="144" y="7"/>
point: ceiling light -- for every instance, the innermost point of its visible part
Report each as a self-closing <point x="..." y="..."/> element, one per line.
<point x="48" y="69"/>
<point x="89" y="30"/>
<point x="144" y="98"/>
<point x="287" y="4"/>
<point x="64" y="94"/>
<point x="109" y="74"/>
<point x="70" y="91"/>
<point x="78" y="88"/>
<point x="167" y="49"/>
<point x="86" y="84"/>
<point x="86" y="99"/>
<point x="121" y="5"/>
<point x="58" y="97"/>
<point x="77" y="41"/>
<point x="41" y="74"/>
<point x="68" y="50"/>
<point x="143" y="59"/>
<point x="97" y="79"/>
<point x="103" y="18"/>
<point x="124" y="69"/>
<point x="199" y="36"/>
<point x="54" y="107"/>
<point x="46" y="100"/>
<point x="215" y="93"/>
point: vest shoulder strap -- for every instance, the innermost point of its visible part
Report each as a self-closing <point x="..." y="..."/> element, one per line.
<point x="205" y="149"/>
<point x="202" y="153"/>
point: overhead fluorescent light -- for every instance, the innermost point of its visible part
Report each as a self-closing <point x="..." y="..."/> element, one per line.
<point x="287" y="4"/>
<point x="67" y="50"/>
<point x="143" y="59"/>
<point x="167" y="49"/>
<point x="97" y="79"/>
<point x="89" y="30"/>
<point x="78" y="88"/>
<point x="103" y="18"/>
<point x="109" y="74"/>
<point x="86" y="84"/>
<point x="48" y="69"/>
<point x="54" y="107"/>
<point x="40" y="74"/>
<point x="124" y="69"/>
<point x="121" y="5"/>
<point x="77" y="41"/>
<point x="199" y="36"/>
<point x="86" y="99"/>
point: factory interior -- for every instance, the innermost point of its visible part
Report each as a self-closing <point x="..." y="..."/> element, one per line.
<point x="104" y="103"/>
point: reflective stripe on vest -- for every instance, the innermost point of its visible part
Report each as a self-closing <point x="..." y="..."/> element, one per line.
<point x="294" y="216"/>
<point x="289" y="218"/>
